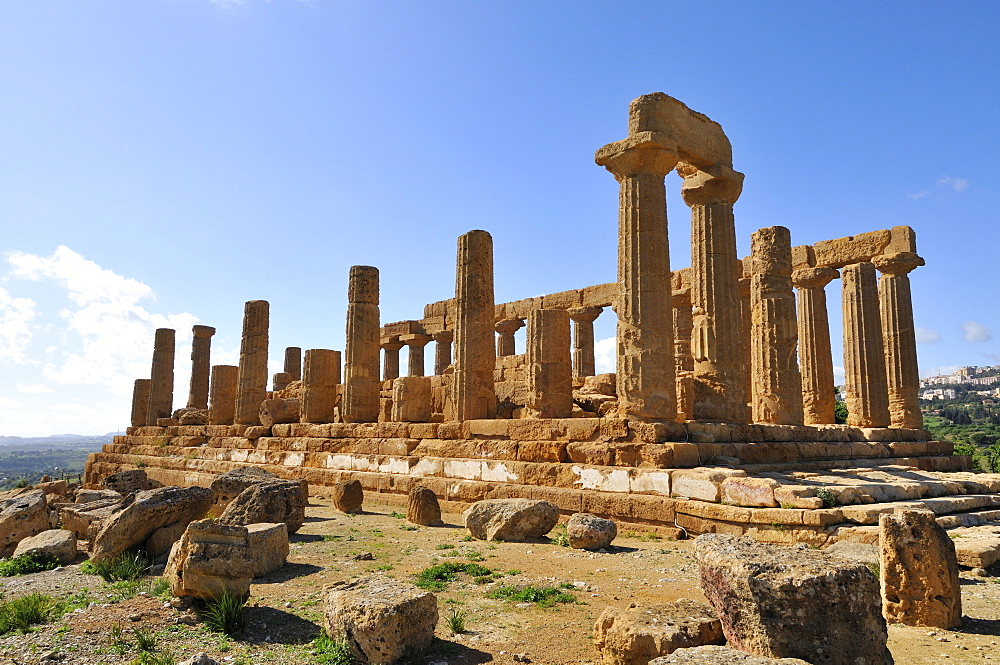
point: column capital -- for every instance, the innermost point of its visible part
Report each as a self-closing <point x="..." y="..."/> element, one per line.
<point x="813" y="278"/>
<point x="585" y="314"/>
<point x="713" y="184"/>
<point x="508" y="326"/>
<point x="391" y="344"/>
<point x="444" y="336"/>
<point x="203" y="332"/>
<point x="643" y="153"/>
<point x="415" y="339"/>
<point x="899" y="263"/>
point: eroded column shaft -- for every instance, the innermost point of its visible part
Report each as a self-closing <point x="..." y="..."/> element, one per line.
<point x="583" y="340"/>
<point x="140" y="402"/>
<point x="252" y="383"/>
<point x="161" y="386"/>
<point x="898" y="336"/>
<point x="550" y="369"/>
<point x="473" y="395"/>
<point x="505" y="335"/>
<point x="320" y="377"/>
<point x="442" y="350"/>
<point x="293" y="362"/>
<point x="777" y="383"/>
<point x="390" y="358"/>
<point x="225" y="379"/>
<point x="201" y="366"/>
<point x="415" y="344"/>
<point x="815" y="356"/>
<point x="864" y="357"/>
<point x="683" y="360"/>
<point x="361" y="362"/>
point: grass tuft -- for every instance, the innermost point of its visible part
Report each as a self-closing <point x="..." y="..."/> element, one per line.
<point x="123" y="568"/>
<point x="26" y="564"/>
<point x="543" y="597"/>
<point x="226" y="613"/>
<point x="436" y="578"/>
<point x="22" y="613"/>
<point x="456" y="620"/>
<point x="333" y="651"/>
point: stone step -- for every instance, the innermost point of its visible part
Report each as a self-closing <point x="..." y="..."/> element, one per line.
<point x="977" y="546"/>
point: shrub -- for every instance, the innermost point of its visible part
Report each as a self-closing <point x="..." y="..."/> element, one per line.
<point x="226" y="613"/>
<point x="456" y="621"/>
<point x="22" y="613"/>
<point x="436" y="578"/>
<point x="559" y="536"/>
<point x="828" y="497"/>
<point x="123" y="568"/>
<point x="26" y="564"/>
<point x="333" y="652"/>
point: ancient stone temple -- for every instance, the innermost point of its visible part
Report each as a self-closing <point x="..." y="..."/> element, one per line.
<point x="719" y="416"/>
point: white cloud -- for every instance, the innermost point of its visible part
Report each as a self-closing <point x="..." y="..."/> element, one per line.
<point x="973" y="331"/>
<point x="8" y="403"/>
<point x="839" y="377"/>
<point x="605" y="355"/>
<point x="34" y="388"/>
<point x="927" y="336"/>
<point x="923" y="194"/>
<point x="956" y="184"/>
<point x="15" y="331"/>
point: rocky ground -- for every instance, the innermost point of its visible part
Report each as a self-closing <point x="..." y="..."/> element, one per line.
<point x="286" y="607"/>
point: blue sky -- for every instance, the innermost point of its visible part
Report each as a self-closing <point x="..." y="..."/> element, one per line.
<point x="165" y="161"/>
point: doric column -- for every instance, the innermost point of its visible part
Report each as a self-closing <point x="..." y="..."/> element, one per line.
<point x="390" y="359"/>
<point x="683" y="360"/>
<point x="505" y="335"/>
<point x="898" y="337"/>
<point x="252" y="383"/>
<point x="415" y="344"/>
<point x="777" y="394"/>
<point x="140" y="402"/>
<point x="815" y="357"/>
<point x="361" y="383"/>
<point x="201" y="366"/>
<point x="293" y="362"/>
<point x="720" y="371"/>
<point x="743" y="288"/>
<point x="583" y="339"/>
<point x="225" y="379"/>
<point x="549" y="364"/>
<point x="645" y="364"/>
<point x="864" y="357"/>
<point x="280" y="381"/>
<point x="472" y="392"/>
<point x="161" y="385"/>
<point x="442" y="350"/>
<point x="319" y="386"/>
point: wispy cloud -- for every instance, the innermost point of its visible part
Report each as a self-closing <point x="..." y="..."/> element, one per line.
<point x="927" y="336"/>
<point x="16" y="315"/>
<point x="973" y="331"/>
<point x="923" y="194"/>
<point x="956" y="184"/>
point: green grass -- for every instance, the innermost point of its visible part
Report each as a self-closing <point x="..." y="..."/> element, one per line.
<point x="26" y="564"/>
<point x="144" y="639"/>
<point x="559" y="536"/>
<point x="148" y="658"/>
<point x="543" y="597"/>
<point x="436" y="578"/>
<point x="333" y="651"/>
<point x="226" y="613"/>
<point x="456" y="620"/>
<point x="125" y="567"/>
<point x="22" y="613"/>
<point x="445" y="546"/>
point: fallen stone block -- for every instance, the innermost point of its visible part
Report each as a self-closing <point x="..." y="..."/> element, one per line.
<point x="276" y="501"/>
<point x="20" y="517"/>
<point x="56" y="544"/>
<point x="160" y="541"/>
<point x="268" y="545"/>
<point x="133" y="480"/>
<point x="381" y="618"/>
<point x="513" y="520"/>
<point x="716" y="655"/>
<point x="636" y="635"/>
<point x="209" y="559"/>
<point x="229" y="485"/>
<point x="590" y="532"/>
<point x="919" y="570"/>
<point x="199" y="659"/>
<point x="750" y="491"/>
<point x="138" y="515"/>
<point x="89" y="496"/>
<point x="85" y="520"/>
<point x="57" y="487"/>
<point x="793" y="602"/>
<point x="348" y="496"/>
<point x="422" y="507"/>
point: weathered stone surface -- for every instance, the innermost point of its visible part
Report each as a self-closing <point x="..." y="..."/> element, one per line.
<point x="275" y="411"/>
<point x="189" y="416"/>
<point x="229" y="485"/>
<point x="86" y="496"/>
<point x="793" y="602"/>
<point x="209" y="558"/>
<point x="21" y="517"/>
<point x="268" y="545"/>
<point x="225" y="381"/>
<point x="381" y="618"/>
<point x="920" y="585"/>
<point x="717" y="655"/>
<point x="361" y="378"/>
<point x="549" y="365"/>
<point x="348" y="496"/>
<point x="815" y="359"/>
<point x="422" y="507"/>
<point x="864" y="359"/>
<point x="125" y="482"/>
<point x="251" y="387"/>
<point x="200" y="659"/>
<point x="138" y="515"/>
<point x="513" y="520"/>
<point x="85" y="520"/>
<point x="750" y="491"/>
<point x="201" y="365"/>
<point x="275" y="501"/>
<point x="590" y="532"/>
<point x="57" y="544"/>
<point x="636" y="635"/>
<point x="140" y="402"/>
<point x="411" y="399"/>
<point x="161" y="386"/>
<point x="160" y="541"/>
<point x="898" y="336"/>
<point x="319" y="381"/>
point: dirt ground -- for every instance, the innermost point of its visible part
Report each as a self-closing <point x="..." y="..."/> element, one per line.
<point x="286" y="608"/>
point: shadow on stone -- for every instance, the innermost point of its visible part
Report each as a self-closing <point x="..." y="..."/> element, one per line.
<point x="452" y="652"/>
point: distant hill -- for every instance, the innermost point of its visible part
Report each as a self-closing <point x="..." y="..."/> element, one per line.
<point x="73" y="440"/>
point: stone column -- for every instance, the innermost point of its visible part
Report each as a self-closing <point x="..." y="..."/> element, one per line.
<point x="280" y="381"/>
<point x="898" y="337"/>
<point x="777" y="394"/>
<point x="140" y="402"/>
<point x="225" y="379"/>
<point x="161" y="386"/>
<point x="720" y="370"/>
<point x="583" y="339"/>
<point x="361" y="382"/>
<point x="442" y="350"/>
<point x="472" y="392"/>
<point x="683" y="360"/>
<point x="743" y="287"/>
<point x="415" y="344"/>
<point x="645" y="364"/>
<point x="864" y="357"/>
<point x="319" y="386"/>
<point x="201" y="366"/>
<point x="505" y="331"/>
<point x="390" y="359"/>
<point x="550" y="370"/>
<point x="252" y="382"/>
<point x="815" y="357"/>
<point x="293" y="362"/>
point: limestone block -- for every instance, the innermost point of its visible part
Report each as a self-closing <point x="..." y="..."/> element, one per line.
<point x="589" y="532"/>
<point x="268" y="544"/>
<point x="750" y="491"/>
<point x="348" y="496"/>
<point x="273" y="411"/>
<point x="786" y="602"/>
<point x="411" y="399"/>
<point x="209" y="558"/>
<point x="85" y="520"/>
<point x="720" y="655"/>
<point x="54" y="544"/>
<point x="422" y="507"/>
<point x="702" y="483"/>
<point x="320" y="378"/>
<point x="21" y="517"/>
<point x="634" y="636"/>
<point x="381" y="618"/>
<point x="549" y="367"/>
<point x="161" y="540"/>
<point x="274" y="501"/>
<point x="86" y="496"/>
<point x="920" y="585"/>
<point x="512" y="520"/>
<point x="852" y="249"/>
<point x="229" y="485"/>
<point x="797" y="496"/>
<point x="125" y="482"/>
